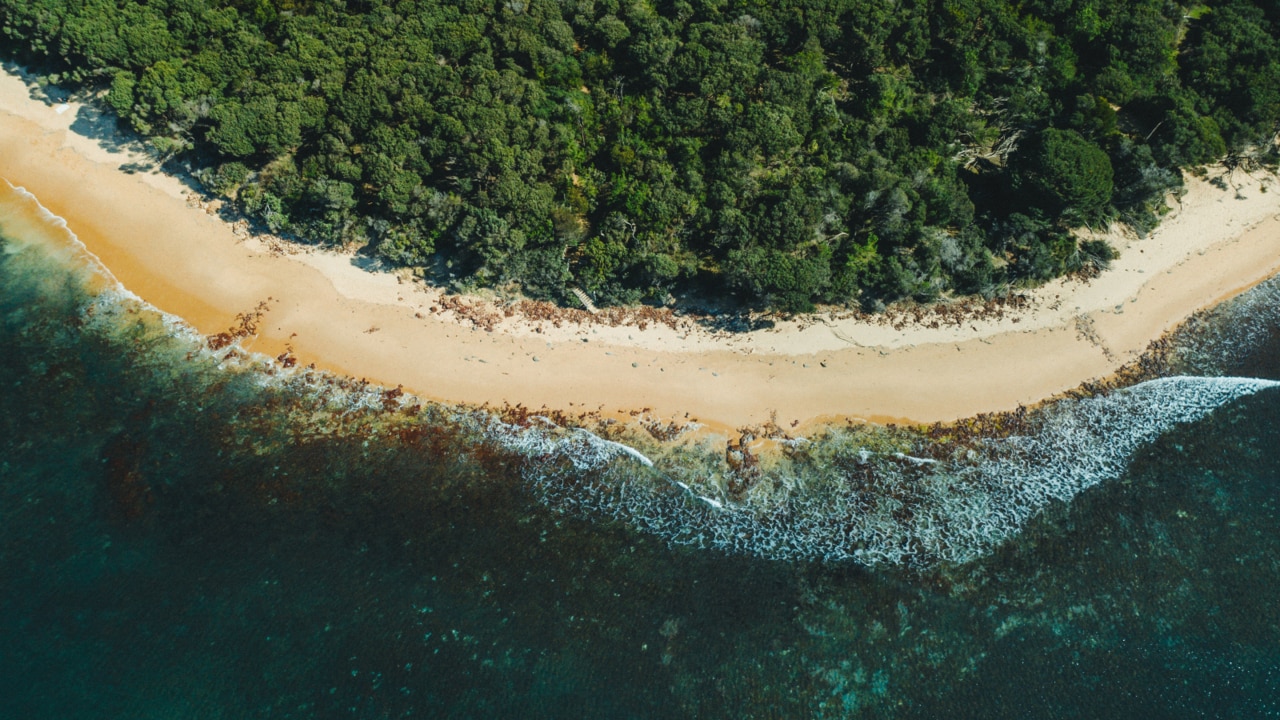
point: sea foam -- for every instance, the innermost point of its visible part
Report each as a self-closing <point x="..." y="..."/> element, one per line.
<point x="58" y="224"/>
<point x="923" y="511"/>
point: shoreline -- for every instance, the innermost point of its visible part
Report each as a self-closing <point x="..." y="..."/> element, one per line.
<point x="149" y="232"/>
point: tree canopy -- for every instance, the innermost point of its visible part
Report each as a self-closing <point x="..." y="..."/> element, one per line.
<point x="790" y="153"/>
<point x="1065" y="174"/>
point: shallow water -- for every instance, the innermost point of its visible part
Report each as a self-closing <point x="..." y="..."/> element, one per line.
<point x="180" y="540"/>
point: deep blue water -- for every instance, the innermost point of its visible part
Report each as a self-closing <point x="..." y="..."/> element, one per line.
<point x="179" y="541"/>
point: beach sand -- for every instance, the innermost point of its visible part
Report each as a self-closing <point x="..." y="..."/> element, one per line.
<point x="148" y="231"/>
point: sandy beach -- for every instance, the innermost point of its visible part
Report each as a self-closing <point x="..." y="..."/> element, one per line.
<point x="147" y="229"/>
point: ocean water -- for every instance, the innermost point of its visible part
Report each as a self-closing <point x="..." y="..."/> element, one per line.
<point x="187" y="533"/>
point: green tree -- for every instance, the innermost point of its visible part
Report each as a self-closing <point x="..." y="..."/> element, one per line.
<point x="1063" y="172"/>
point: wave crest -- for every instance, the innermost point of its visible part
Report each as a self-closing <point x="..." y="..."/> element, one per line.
<point x="876" y="508"/>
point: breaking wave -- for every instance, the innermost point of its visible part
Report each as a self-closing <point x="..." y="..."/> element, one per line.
<point x="849" y="503"/>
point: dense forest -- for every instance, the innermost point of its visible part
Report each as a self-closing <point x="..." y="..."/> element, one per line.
<point x="787" y="152"/>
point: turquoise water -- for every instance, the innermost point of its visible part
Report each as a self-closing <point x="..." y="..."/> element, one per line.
<point x="183" y="536"/>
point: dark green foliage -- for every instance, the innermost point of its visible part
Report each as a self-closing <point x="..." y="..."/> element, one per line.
<point x="795" y="152"/>
<point x="1235" y="64"/>
<point x="1065" y="174"/>
<point x="784" y="280"/>
<point x="1098" y="251"/>
<point x="227" y="178"/>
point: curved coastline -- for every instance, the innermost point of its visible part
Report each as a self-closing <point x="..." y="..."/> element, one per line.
<point x="380" y="325"/>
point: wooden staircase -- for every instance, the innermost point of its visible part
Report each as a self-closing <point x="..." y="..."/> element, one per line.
<point x="586" y="301"/>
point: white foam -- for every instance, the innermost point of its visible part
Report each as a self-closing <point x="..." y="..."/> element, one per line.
<point x="915" y="460"/>
<point x="925" y="512"/>
<point x="625" y="449"/>
<point x="60" y="223"/>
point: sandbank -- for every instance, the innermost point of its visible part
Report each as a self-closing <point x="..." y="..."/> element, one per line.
<point x="148" y="230"/>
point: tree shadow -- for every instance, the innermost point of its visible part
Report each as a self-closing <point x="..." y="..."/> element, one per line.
<point x="132" y="168"/>
<point x="95" y="122"/>
<point x="47" y="94"/>
<point x="371" y="263"/>
<point x="731" y="322"/>
<point x="104" y="129"/>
